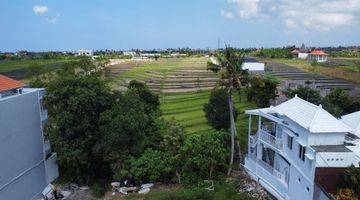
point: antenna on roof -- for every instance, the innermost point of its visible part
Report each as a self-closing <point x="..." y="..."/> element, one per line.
<point x="296" y="95"/>
<point x="320" y="106"/>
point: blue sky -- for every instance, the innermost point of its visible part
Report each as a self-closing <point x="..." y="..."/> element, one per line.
<point x="41" y="25"/>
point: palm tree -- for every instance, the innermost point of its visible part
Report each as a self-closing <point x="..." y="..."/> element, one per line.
<point x="233" y="77"/>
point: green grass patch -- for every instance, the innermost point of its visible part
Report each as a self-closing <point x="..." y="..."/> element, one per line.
<point x="221" y="192"/>
<point x="6" y="66"/>
<point x="187" y="109"/>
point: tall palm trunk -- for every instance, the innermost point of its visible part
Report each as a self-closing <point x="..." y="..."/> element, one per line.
<point x="233" y="132"/>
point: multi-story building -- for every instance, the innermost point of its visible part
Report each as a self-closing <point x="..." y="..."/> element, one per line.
<point x="27" y="164"/>
<point x="295" y="147"/>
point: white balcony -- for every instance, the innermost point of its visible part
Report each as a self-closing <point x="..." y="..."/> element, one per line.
<point x="269" y="177"/>
<point x="271" y="140"/>
<point x="253" y="139"/>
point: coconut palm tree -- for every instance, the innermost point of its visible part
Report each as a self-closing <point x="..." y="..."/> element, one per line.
<point x="233" y="77"/>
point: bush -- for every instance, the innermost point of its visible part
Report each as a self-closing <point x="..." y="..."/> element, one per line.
<point x="153" y="166"/>
<point x="97" y="190"/>
<point x="262" y="90"/>
<point x="306" y="93"/>
<point x="203" y="157"/>
<point x="217" y="111"/>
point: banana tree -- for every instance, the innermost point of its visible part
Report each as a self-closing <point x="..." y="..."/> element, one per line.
<point x="232" y="78"/>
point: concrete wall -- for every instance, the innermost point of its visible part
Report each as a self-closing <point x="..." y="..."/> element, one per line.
<point x="22" y="171"/>
<point x="326" y="138"/>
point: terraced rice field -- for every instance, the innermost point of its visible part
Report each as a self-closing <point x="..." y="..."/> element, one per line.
<point x="187" y="109"/>
<point x="171" y="75"/>
<point x="184" y="87"/>
<point x="292" y="75"/>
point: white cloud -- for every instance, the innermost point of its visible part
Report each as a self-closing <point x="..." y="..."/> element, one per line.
<point x="228" y="15"/>
<point x="318" y="15"/>
<point x="40" y="10"/>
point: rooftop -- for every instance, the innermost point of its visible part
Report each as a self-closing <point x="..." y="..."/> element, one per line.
<point x="318" y="53"/>
<point x="310" y="116"/>
<point x="353" y="120"/>
<point x="7" y="84"/>
<point x="331" y="148"/>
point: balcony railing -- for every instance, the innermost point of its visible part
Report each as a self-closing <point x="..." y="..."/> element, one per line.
<point x="253" y="139"/>
<point x="281" y="176"/>
<point x="271" y="140"/>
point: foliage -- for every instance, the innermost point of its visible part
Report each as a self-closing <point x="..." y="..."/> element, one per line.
<point x="338" y="102"/>
<point x="351" y="180"/>
<point x="217" y="110"/>
<point x="151" y="100"/>
<point x="233" y="77"/>
<point x="203" y="157"/>
<point x="75" y="102"/>
<point x="173" y="136"/>
<point x="306" y="93"/>
<point x="345" y="53"/>
<point x="274" y="53"/>
<point x="345" y="194"/>
<point x="222" y="191"/>
<point x="37" y="75"/>
<point x="153" y="166"/>
<point x="97" y="190"/>
<point x="262" y="90"/>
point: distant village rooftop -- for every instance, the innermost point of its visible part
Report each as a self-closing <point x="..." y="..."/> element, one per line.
<point x="318" y="53"/>
<point x="7" y="84"/>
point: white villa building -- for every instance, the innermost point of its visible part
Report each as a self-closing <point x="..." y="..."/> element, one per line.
<point x="297" y="150"/>
<point x="317" y="56"/>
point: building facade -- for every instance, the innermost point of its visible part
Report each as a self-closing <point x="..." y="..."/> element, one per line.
<point x="292" y="145"/>
<point x="317" y="56"/>
<point x="27" y="164"/>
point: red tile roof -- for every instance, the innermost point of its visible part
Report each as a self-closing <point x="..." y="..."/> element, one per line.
<point x="318" y="53"/>
<point x="7" y="84"/>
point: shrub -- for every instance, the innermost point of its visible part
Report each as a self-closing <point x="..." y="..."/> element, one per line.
<point x="152" y="166"/>
<point x="306" y="93"/>
<point x="203" y="157"/>
<point x="262" y="90"/>
<point x="217" y="110"/>
<point x="97" y="190"/>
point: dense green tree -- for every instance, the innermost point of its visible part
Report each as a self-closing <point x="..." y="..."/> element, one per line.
<point x="217" y="109"/>
<point x="203" y="157"/>
<point x="233" y="77"/>
<point x="262" y="90"/>
<point x="75" y="102"/>
<point x="150" y="99"/>
<point x="337" y="102"/>
<point x="306" y="93"/>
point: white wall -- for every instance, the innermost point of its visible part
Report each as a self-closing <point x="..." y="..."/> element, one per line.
<point x="326" y="139"/>
<point x="253" y="66"/>
<point x="303" y="55"/>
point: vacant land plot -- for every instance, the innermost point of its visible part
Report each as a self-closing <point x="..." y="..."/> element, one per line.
<point x="342" y="68"/>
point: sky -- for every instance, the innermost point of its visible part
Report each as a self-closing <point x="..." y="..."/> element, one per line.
<point x="43" y="25"/>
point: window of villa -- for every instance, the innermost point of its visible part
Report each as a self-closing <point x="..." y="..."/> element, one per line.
<point x="302" y="151"/>
<point x="290" y="142"/>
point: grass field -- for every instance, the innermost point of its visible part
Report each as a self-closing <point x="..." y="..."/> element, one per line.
<point x="6" y="66"/>
<point x="185" y="107"/>
<point x="343" y="68"/>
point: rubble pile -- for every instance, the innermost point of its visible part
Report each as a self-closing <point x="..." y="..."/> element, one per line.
<point x="252" y="188"/>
